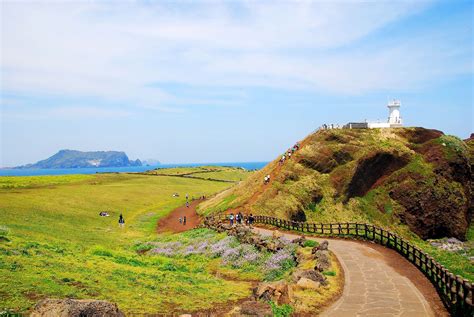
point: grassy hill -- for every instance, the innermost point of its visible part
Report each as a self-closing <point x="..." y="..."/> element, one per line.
<point x="409" y="180"/>
<point x="53" y="243"/>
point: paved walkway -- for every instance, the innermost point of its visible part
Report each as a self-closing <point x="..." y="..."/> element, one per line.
<point x="374" y="286"/>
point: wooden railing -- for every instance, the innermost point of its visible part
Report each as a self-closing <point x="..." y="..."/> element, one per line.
<point x="455" y="292"/>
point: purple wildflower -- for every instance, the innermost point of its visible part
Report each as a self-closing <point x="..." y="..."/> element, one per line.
<point x="278" y="260"/>
<point x="162" y="251"/>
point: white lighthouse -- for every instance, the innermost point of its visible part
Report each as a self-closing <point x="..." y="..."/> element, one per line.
<point x="394" y="118"/>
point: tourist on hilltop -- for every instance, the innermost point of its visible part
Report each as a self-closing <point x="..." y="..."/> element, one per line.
<point x="251" y="219"/>
<point x="184" y="220"/>
<point x="237" y="218"/>
<point x="121" y="221"/>
<point x="231" y="218"/>
<point x="240" y="217"/>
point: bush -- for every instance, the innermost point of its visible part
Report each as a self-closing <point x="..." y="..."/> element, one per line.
<point x="329" y="273"/>
<point x="310" y="244"/>
<point x="101" y="252"/>
<point x="142" y="247"/>
<point x="281" y="311"/>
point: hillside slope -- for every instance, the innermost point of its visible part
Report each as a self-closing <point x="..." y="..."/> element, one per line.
<point x="393" y="177"/>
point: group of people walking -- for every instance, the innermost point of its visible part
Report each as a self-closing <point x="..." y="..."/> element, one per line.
<point x="182" y="220"/>
<point x="287" y="155"/>
<point x="238" y="218"/>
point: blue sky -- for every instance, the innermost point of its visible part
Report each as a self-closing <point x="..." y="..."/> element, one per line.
<point x="210" y="81"/>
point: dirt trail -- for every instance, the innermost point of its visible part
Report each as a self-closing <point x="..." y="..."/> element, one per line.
<point x="273" y="173"/>
<point x="171" y="223"/>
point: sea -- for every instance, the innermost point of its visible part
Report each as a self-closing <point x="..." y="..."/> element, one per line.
<point x="130" y="169"/>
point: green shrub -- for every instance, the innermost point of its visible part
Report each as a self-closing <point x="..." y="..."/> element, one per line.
<point x="281" y="311"/>
<point x="329" y="273"/>
<point x="100" y="251"/>
<point x="128" y="261"/>
<point x="142" y="247"/>
<point x="310" y="244"/>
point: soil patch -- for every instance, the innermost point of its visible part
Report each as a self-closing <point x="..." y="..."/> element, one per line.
<point x="371" y="169"/>
<point x="420" y="135"/>
<point x="171" y="222"/>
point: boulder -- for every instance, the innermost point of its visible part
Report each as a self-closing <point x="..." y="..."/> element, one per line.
<point x="299" y="241"/>
<point x="322" y="246"/>
<point x="286" y="293"/>
<point x="311" y="275"/>
<point x="314" y="276"/>
<point x="254" y="308"/>
<point x="306" y="283"/>
<point x="323" y="261"/>
<point x="75" y="308"/>
<point x="278" y="292"/>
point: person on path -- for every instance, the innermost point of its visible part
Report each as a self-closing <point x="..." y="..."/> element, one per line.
<point x="250" y="220"/>
<point x="180" y="220"/>
<point x="184" y="221"/>
<point x="121" y="221"/>
<point x="240" y="217"/>
<point x="187" y="197"/>
<point x="231" y="218"/>
<point x="187" y="204"/>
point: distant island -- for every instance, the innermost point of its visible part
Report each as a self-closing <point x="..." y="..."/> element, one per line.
<point x="79" y="159"/>
<point x="150" y="162"/>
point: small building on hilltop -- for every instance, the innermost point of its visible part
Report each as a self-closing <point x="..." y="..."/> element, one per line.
<point x="394" y="119"/>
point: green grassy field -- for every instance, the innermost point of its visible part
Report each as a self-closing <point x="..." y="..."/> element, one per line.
<point x="54" y="244"/>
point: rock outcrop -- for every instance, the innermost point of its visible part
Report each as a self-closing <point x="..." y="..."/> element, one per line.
<point x="279" y="292"/>
<point x="75" y="308"/>
<point x="254" y="308"/>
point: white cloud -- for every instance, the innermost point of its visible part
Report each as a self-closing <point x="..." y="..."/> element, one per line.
<point x="114" y="51"/>
<point x="68" y="113"/>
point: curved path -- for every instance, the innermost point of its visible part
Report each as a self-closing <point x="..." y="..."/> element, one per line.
<point x="378" y="282"/>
